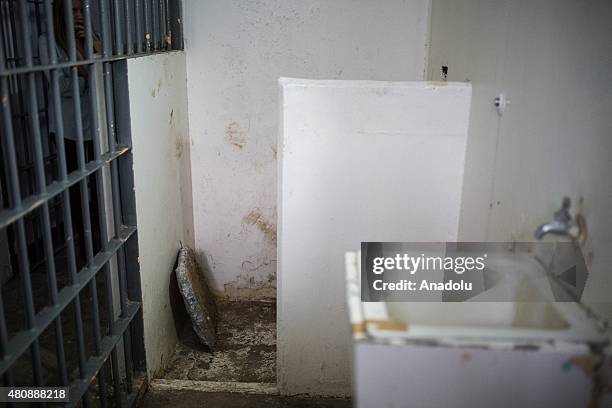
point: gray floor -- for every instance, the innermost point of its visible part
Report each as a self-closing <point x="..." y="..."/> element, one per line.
<point x="245" y="349"/>
<point x="192" y="399"/>
<point x="245" y="352"/>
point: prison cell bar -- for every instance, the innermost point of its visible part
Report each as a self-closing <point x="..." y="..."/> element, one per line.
<point x="162" y="23"/>
<point x="117" y="213"/>
<point x="110" y="126"/>
<point x="90" y="255"/>
<point x="24" y="267"/>
<point x="127" y="10"/>
<point x="63" y="175"/>
<point x="115" y="193"/>
<point x="33" y="202"/>
<point x="42" y="186"/>
<point x="140" y="36"/>
<point x="129" y="309"/>
<point x="148" y="35"/>
<point x="81" y="163"/>
<point x="159" y="20"/>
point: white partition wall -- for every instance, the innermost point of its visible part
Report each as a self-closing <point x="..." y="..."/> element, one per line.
<point x="160" y="142"/>
<point x="359" y="161"/>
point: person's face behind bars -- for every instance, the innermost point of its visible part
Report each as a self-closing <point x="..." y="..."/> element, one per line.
<point x="79" y="21"/>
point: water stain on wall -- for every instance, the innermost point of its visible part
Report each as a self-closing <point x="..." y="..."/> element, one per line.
<point x="155" y="91"/>
<point x="235" y="136"/>
<point x="248" y="287"/>
<point x="178" y="147"/>
<point x="256" y="218"/>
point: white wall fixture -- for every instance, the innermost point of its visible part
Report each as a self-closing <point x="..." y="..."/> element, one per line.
<point x="236" y="51"/>
<point x="501" y="103"/>
<point x="158" y="110"/>
<point x="359" y="161"/>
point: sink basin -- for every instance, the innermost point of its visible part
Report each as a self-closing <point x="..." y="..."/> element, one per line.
<point x="479" y="315"/>
<point x="526" y="317"/>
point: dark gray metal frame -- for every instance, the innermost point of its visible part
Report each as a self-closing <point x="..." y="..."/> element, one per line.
<point x="129" y="28"/>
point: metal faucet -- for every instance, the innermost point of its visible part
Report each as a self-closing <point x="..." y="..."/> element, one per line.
<point x="562" y="223"/>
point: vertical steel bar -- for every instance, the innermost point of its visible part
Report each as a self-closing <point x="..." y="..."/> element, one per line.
<point x="63" y="176"/>
<point x="42" y="186"/>
<point x="118" y="27"/>
<point x="167" y="25"/>
<point x="162" y="24"/>
<point x="110" y="126"/>
<point x="179" y="31"/>
<point x="128" y="216"/>
<point x="81" y="167"/>
<point x="95" y="133"/>
<point x="101" y="204"/>
<point x="69" y="17"/>
<point x="104" y="27"/>
<point x="155" y="21"/>
<point x="147" y="16"/>
<point x="92" y="84"/>
<point x="117" y="217"/>
<point x="129" y="42"/>
<point x="76" y="98"/>
<point x="140" y="36"/>
<point x="88" y="30"/>
<point x="81" y="159"/>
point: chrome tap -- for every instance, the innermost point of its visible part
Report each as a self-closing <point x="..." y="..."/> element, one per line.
<point x="562" y="223"/>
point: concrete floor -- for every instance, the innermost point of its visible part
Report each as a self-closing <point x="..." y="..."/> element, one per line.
<point x="243" y="361"/>
<point x="193" y="399"/>
<point x="245" y="349"/>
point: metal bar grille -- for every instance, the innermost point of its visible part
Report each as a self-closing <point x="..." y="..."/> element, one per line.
<point x="70" y="304"/>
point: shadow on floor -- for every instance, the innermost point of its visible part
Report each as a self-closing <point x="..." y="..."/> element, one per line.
<point x="193" y="399"/>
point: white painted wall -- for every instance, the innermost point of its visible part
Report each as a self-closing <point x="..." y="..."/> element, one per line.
<point x="552" y="59"/>
<point x="359" y="161"/>
<point x="236" y="51"/>
<point x="158" y="110"/>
